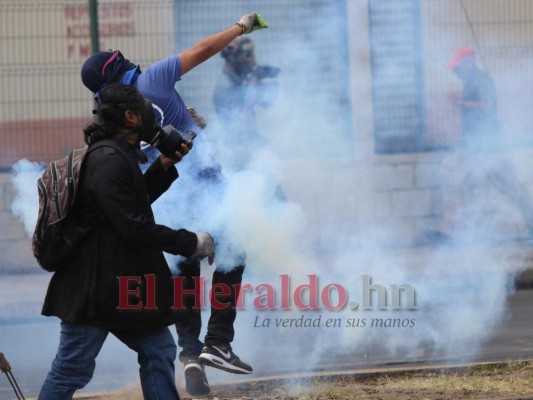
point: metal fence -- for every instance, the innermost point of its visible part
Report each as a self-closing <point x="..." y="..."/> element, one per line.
<point x="44" y="105"/>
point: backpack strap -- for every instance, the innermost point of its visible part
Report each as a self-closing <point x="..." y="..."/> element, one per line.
<point x="73" y="169"/>
<point x="70" y="176"/>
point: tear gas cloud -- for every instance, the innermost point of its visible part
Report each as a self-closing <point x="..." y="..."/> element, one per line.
<point x="25" y="206"/>
<point x="460" y="296"/>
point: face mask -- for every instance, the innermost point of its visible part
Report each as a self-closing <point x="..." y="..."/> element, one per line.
<point x="149" y="129"/>
<point x="167" y="139"/>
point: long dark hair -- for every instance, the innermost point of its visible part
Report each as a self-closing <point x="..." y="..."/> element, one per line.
<point x="114" y="100"/>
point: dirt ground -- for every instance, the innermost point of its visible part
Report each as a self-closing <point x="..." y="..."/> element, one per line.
<point x="502" y="381"/>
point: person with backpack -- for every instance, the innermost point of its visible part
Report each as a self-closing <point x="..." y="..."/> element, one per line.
<point x="202" y="177"/>
<point x="118" y="280"/>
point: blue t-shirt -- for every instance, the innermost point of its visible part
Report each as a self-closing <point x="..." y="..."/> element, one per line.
<point x="189" y="203"/>
<point x="157" y="83"/>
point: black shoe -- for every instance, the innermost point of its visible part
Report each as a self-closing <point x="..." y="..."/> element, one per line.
<point x="222" y="357"/>
<point x="195" y="379"/>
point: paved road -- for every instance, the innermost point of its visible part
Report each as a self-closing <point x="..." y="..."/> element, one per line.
<point x="29" y="342"/>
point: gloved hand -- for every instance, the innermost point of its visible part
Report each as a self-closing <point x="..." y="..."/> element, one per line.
<point x="197" y="118"/>
<point x="252" y="22"/>
<point x="205" y="247"/>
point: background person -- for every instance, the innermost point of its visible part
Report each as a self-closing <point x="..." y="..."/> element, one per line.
<point x="481" y="155"/>
<point x="242" y="87"/>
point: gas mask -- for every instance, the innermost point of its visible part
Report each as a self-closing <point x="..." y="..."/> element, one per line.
<point x="167" y="139"/>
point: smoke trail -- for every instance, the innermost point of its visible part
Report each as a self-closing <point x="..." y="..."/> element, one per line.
<point x="25" y="205"/>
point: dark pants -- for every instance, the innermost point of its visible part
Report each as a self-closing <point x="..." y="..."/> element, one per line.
<point x="220" y="328"/>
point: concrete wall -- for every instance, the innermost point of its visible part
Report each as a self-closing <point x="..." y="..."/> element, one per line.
<point x="410" y="196"/>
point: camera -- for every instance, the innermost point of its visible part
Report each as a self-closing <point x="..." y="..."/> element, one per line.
<point x="168" y="140"/>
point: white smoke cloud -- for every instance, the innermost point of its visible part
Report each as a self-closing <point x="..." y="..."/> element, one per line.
<point x="461" y="292"/>
<point x="25" y="206"/>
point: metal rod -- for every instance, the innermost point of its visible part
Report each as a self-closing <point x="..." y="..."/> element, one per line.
<point x="14" y="385"/>
<point x="6" y="368"/>
<point x="476" y="40"/>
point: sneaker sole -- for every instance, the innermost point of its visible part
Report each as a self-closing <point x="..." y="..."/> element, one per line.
<point x="219" y="363"/>
<point x="196" y="381"/>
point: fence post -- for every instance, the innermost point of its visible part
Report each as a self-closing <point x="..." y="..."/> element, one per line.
<point x="93" y="16"/>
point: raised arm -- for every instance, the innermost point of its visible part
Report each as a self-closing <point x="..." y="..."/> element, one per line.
<point x="212" y="44"/>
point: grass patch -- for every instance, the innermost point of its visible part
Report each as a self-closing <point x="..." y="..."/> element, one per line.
<point x="490" y="381"/>
<point x="484" y="382"/>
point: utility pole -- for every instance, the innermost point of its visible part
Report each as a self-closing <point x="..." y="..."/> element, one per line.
<point x="95" y="39"/>
<point x="93" y="16"/>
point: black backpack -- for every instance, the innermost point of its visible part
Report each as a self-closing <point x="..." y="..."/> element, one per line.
<point x="58" y="232"/>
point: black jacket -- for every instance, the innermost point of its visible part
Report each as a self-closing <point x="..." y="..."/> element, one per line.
<point x="115" y="196"/>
